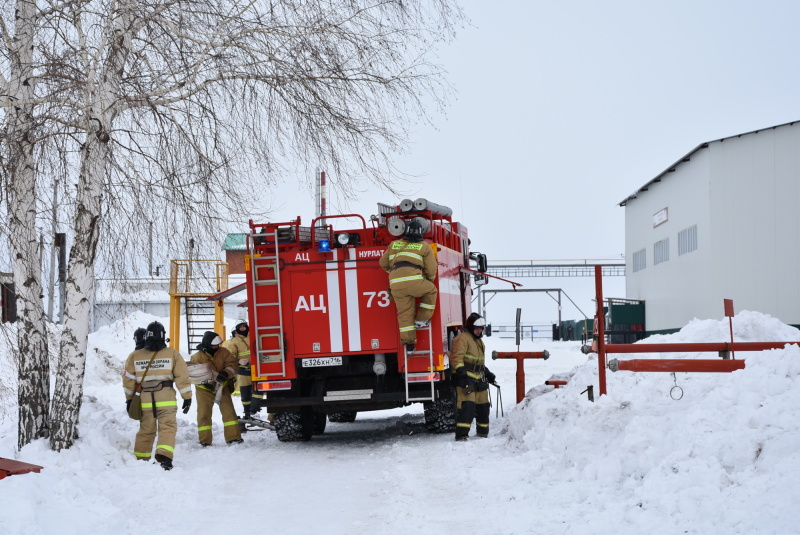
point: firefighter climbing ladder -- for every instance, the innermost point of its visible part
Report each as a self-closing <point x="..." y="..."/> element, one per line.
<point x="268" y="313"/>
<point x="427" y="377"/>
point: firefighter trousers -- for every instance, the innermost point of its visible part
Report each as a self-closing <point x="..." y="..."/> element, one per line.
<point x="472" y="406"/>
<point x="205" y="407"/>
<point x="164" y="424"/>
<point x="405" y="295"/>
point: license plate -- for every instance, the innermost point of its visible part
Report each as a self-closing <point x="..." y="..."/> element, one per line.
<point x="322" y="361"/>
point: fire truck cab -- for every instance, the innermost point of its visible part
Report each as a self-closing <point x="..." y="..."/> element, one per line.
<point x="325" y="342"/>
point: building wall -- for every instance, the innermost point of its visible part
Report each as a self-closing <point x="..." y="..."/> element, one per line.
<point x="743" y="194"/>
<point x="235" y="261"/>
<point x="668" y="286"/>
<point x="754" y="213"/>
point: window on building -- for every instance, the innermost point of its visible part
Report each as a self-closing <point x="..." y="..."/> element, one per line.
<point x="661" y="251"/>
<point x="639" y="260"/>
<point x="687" y="240"/>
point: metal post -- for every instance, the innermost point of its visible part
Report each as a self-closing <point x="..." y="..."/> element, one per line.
<point x="600" y="325"/>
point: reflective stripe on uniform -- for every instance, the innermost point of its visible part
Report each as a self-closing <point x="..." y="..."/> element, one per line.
<point x="424" y="305"/>
<point x="406" y="329"/>
<point x="167" y="448"/>
<point x="203" y="427"/>
<point x="411" y="255"/>
<point x="404" y="279"/>
<point x="464" y="425"/>
<point x="232" y="422"/>
<point x="160" y="404"/>
<point x="142" y="455"/>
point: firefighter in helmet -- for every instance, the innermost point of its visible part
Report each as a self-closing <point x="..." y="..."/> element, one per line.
<point x="472" y="379"/>
<point x="139" y="337"/>
<point x="239" y="345"/>
<point x="411" y="265"/>
<point x="224" y="365"/>
<point x="150" y="371"/>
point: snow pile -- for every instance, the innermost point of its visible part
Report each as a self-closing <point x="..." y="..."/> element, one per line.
<point x="730" y="439"/>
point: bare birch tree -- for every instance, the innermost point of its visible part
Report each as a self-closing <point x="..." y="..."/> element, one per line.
<point x="19" y="136"/>
<point x="184" y="112"/>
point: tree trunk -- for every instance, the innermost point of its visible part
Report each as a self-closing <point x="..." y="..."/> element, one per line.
<point x="33" y="363"/>
<point x="68" y="393"/>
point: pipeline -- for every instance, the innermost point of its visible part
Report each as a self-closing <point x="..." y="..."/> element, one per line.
<point x="676" y="365"/>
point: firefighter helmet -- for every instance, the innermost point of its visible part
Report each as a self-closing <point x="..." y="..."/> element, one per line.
<point x="139" y="336"/>
<point x="242" y="328"/>
<point x="475" y="320"/>
<point x="155" y="337"/>
<point x="414" y="230"/>
<point x="209" y="341"/>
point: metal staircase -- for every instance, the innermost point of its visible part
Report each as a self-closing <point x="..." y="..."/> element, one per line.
<point x="200" y="317"/>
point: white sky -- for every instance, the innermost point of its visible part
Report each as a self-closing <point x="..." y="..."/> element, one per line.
<point x="722" y="459"/>
<point x="565" y="108"/>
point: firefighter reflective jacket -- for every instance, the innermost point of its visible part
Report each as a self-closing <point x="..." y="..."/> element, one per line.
<point x="404" y="260"/>
<point x="168" y="367"/>
<point x="239" y="346"/>
<point x="468" y="352"/>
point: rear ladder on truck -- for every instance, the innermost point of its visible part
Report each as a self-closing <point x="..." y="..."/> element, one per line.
<point x="268" y="313"/>
<point x="419" y="378"/>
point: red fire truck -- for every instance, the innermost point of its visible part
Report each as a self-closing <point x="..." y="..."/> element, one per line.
<point x="325" y="342"/>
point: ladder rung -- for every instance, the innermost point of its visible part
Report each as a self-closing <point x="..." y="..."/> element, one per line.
<point x="267" y="304"/>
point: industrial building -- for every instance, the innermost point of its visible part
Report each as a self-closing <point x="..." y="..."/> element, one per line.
<point x="722" y="222"/>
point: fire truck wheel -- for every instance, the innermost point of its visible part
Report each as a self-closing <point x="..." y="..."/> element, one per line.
<point x="440" y="415"/>
<point x="289" y="427"/>
<point x="342" y="416"/>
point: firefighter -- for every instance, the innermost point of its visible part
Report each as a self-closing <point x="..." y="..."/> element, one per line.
<point x="411" y="265"/>
<point x="224" y="364"/>
<point x="152" y="370"/>
<point x="239" y="345"/>
<point x="472" y="379"/>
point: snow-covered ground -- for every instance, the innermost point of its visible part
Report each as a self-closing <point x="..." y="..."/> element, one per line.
<point x="721" y="459"/>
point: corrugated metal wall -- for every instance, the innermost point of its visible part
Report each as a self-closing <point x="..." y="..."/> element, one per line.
<point x="743" y="193"/>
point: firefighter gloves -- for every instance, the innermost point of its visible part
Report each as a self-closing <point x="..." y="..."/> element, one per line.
<point x="461" y="377"/>
<point x="222" y="376"/>
<point x="186" y="404"/>
<point x="490" y="377"/>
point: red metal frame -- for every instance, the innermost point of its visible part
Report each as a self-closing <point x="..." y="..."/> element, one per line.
<point x="669" y="365"/>
<point x="520" y="357"/>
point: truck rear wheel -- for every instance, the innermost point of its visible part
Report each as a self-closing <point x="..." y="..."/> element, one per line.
<point x="440" y="415"/>
<point x="349" y="416"/>
<point x="289" y="427"/>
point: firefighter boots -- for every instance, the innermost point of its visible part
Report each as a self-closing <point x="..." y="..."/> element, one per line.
<point x="166" y="462"/>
